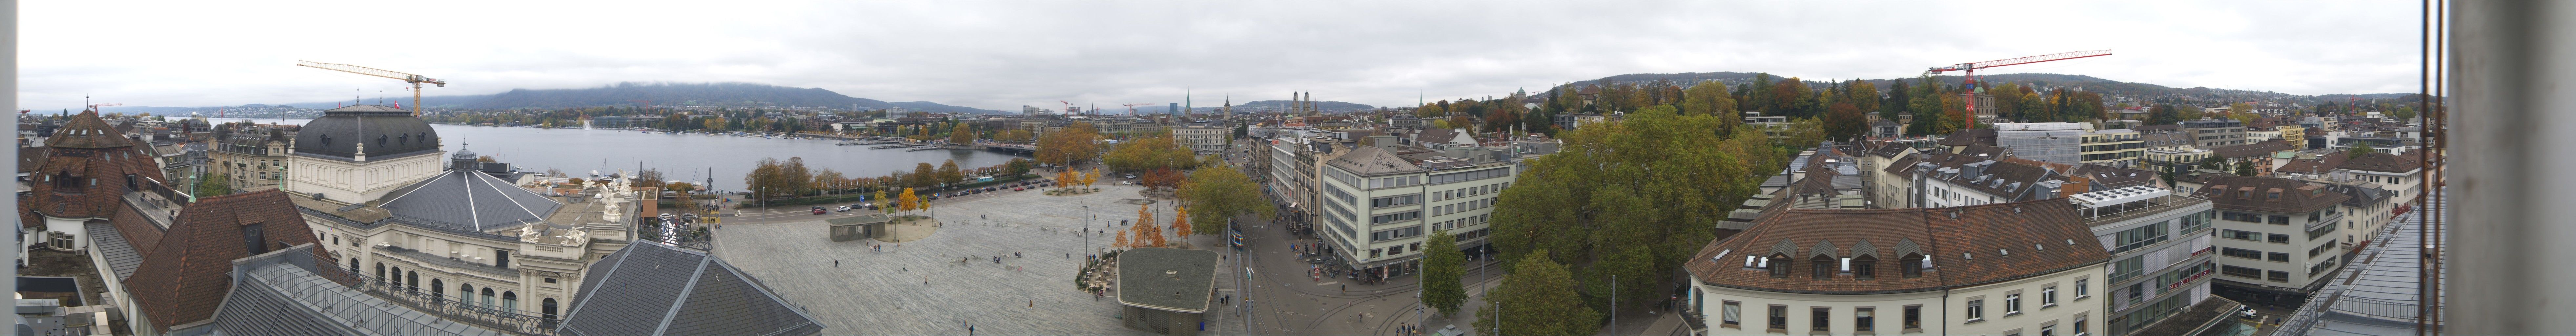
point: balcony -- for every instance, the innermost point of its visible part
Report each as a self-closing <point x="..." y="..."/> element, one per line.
<point x="450" y="262"/>
<point x="2115" y="210"/>
<point x="457" y="309"/>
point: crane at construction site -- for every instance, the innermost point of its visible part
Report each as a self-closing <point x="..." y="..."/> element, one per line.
<point x="1970" y="74"/>
<point x="415" y="80"/>
<point x="1131" y="108"/>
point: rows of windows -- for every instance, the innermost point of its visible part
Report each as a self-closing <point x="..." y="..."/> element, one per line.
<point x="1395" y="217"/>
<point x="1470" y="176"/>
<point x="1397" y="181"/>
<point x="1395" y="234"/>
<point x="2142" y="236"/>
<point x="1455" y="223"/>
<point x="1382" y="202"/>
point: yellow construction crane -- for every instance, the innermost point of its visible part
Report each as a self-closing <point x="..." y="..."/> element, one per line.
<point x="415" y="80"/>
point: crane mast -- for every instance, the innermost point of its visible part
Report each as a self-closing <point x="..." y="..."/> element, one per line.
<point x="1969" y="78"/>
<point x="415" y="80"/>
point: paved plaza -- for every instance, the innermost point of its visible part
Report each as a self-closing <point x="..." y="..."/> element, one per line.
<point x="884" y="293"/>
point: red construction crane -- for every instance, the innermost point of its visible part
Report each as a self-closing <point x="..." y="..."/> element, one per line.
<point x="1970" y="78"/>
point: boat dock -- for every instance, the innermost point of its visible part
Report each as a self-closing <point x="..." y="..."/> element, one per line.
<point x="927" y="147"/>
<point x="894" y="146"/>
<point x="856" y="143"/>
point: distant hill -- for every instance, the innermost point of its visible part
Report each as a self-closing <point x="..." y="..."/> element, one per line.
<point x="704" y="94"/>
<point x="2129" y="90"/>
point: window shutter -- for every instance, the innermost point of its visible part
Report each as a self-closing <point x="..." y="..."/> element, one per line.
<point x="1734" y="313"/>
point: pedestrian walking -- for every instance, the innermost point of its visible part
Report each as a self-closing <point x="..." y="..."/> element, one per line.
<point x="836" y="263"/>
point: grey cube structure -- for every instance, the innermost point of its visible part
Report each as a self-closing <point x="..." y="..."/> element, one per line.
<point x="1166" y="289"/>
<point x="871" y="225"/>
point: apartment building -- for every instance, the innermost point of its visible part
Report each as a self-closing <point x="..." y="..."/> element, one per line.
<point x="2214" y="132"/>
<point x="2278" y="238"/>
<point x="251" y="160"/>
<point x="1204" y="138"/>
<point x="2159" y="241"/>
<point x="1378" y="206"/>
<point x="2023" y="268"/>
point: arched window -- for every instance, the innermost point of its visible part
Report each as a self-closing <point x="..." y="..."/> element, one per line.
<point x="1779" y="265"/>
<point x="411" y="283"/>
<point x="437" y="290"/>
<point x="1865" y="267"/>
<point x="465" y="293"/>
<point x="549" y="308"/>
<point x="1912" y="264"/>
<point x="487" y="297"/>
<point x="510" y="301"/>
<point x="353" y="266"/>
<point x="380" y="271"/>
<point x="1824" y="267"/>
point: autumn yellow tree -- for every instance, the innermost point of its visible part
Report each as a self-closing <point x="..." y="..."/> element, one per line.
<point x="1121" y="244"/>
<point x="1094" y="176"/>
<point x="1064" y="178"/>
<point x="1181" y="221"/>
<point x="907" y="201"/>
<point x="882" y="203"/>
<point x="1146" y="231"/>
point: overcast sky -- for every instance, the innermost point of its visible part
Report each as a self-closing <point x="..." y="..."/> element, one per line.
<point x="1001" y="55"/>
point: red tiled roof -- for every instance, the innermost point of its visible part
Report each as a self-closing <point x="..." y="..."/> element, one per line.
<point x="2386" y="163"/>
<point x="99" y="174"/>
<point x="2262" y="149"/>
<point x="2321" y="164"/>
<point x="1968" y="246"/>
<point x="187" y="274"/>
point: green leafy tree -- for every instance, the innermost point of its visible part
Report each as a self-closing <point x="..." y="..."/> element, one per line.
<point x="1535" y="297"/>
<point x="2359" y="150"/>
<point x="2245" y="167"/>
<point x="1442" y="269"/>
<point x="215" y="184"/>
<point x="2163" y="114"/>
<point x="1630" y="197"/>
<point x="1217" y="194"/>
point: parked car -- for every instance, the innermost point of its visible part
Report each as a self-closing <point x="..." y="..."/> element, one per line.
<point x="1131" y="175"/>
<point x="1126" y="183"/>
<point x="1018" y="188"/>
<point x="818" y="210"/>
<point x="841" y="209"/>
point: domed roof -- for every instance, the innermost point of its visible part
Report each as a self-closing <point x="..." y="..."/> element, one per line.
<point x="469" y="200"/>
<point x="385" y="131"/>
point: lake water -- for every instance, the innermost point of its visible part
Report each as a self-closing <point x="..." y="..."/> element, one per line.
<point x="680" y="157"/>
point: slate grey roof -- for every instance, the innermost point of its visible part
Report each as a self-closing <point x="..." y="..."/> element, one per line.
<point x="1145" y="274"/>
<point x="278" y="293"/>
<point x="473" y="200"/>
<point x="106" y="241"/>
<point x="388" y="132"/>
<point x="1373" y="161"/>
<point x="649" y="288"/>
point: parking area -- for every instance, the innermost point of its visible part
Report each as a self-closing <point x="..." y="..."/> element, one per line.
<point x="942" y="282"/>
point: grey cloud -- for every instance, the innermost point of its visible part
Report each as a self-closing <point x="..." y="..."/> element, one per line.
<point x="999" y="55"/>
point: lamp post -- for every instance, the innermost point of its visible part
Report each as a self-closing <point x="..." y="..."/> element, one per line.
<point x="1086" y="232"/>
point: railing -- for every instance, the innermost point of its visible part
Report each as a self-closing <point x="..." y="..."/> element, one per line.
<point x="504" y="319"/>
<point x="449" y="262"/>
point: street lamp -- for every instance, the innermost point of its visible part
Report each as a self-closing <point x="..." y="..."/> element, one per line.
<point x="1086" y="232"/>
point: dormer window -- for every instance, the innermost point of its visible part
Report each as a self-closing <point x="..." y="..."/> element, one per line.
<point x="1913" y="265"/>
<point x="1778" y="264"/>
